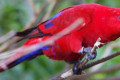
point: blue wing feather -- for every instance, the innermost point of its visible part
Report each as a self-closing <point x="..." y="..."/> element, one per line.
<point x="29" y="56"/>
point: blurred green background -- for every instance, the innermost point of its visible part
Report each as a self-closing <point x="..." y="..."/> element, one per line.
<point x="14" y="15"/>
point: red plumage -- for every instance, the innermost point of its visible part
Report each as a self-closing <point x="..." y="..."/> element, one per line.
<point x="99" y="21"/>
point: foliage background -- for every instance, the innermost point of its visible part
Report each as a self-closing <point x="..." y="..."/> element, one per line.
<point x="14" y="14"/>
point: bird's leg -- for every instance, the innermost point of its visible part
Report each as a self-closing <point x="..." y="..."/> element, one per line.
<point x="76" y="69"/>
<point x="89" y="56"/>
<point x="91" y="51"/>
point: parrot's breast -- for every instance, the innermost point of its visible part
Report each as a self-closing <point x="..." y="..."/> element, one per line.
<point x="61" y="50"/>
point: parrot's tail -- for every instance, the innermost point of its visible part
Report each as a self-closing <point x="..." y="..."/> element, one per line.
<point x="12" y="58"/>
<point x="11" y="62"/>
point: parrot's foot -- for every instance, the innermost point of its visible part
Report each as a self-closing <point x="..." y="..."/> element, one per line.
<point x="89" y="55"/>
<point x="76" y="69"/>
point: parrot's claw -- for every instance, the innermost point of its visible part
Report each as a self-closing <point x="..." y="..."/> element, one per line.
<point x="89" y="55"/>
<point x="76" y="69"/>
<point x="98" y="44"/>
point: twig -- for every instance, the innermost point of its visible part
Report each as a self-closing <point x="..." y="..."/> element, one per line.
<point x="7" y="36"/>
<point x="92" y="51"/>
<point x="112" y="78"/>
<point x="70" y="72"/>
<point x="33" y="6"/>
<point x="93" y="64"/>
<point x="53" y="3"/>
<point x="105" y="54"/>
<point x="30" y="24"/>
<point x="34" y="18"/>
<point x="113" y="68"/>
<point x="101" y="60"/>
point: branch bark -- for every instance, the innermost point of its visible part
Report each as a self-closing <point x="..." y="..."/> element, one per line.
<point x="93" y="64"/>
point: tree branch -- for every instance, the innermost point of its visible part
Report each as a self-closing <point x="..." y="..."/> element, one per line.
<point x="33" y="6"/>
<point x="28" y="25"/>
<point x="7" y="36"/>
<point x="93" y="64"/>
<point x="53" y="3"/>
<point x="101" y="60"/>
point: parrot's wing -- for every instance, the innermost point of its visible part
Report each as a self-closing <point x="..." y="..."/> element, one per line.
<point x="26" y="52"/>
<point x="57" y="23"/>
<point x="64" y="19"/>
<point x="25" y="32"/>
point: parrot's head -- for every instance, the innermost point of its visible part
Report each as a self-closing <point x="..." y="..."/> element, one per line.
<point x="113" y="21"/>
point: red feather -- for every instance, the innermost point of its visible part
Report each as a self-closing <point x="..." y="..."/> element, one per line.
<point x="99" y="21"/>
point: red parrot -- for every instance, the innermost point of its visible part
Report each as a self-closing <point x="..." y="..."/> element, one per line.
<point x="99" y="21"/>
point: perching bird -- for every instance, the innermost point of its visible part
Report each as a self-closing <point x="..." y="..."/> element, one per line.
<point x="99" y="21"/>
